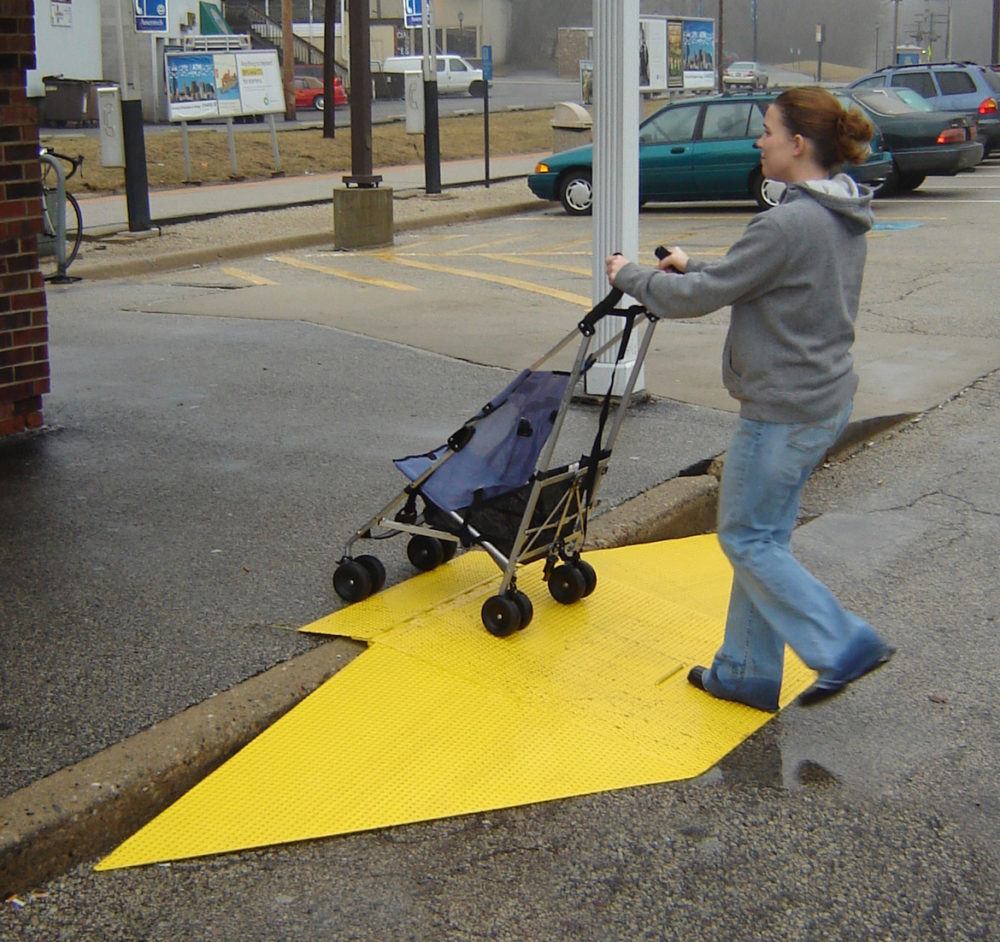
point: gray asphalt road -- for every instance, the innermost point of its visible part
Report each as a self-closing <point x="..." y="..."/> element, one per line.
<point x="180" y="518"/>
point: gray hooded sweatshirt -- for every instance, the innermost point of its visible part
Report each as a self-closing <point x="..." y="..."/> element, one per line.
<point x="793" y="280"/>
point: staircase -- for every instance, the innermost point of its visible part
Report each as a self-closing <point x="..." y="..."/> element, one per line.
<point x="265" y="32"/>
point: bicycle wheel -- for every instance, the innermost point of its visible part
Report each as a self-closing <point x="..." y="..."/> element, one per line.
<point x="74" y="228"/>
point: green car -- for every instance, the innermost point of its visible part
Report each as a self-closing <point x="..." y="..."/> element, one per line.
<point x="695" y="149"/>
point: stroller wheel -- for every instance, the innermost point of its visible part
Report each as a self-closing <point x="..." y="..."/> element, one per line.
<point x="351" y="581"/>
<point x="376" y="571"/>
<point x="589" y="576"/>
<point x="449" y="548"/>
<point x="501" y="615"/>
<point x="425" y="552"/>
<point x="567" y="584"/>
<point x="526" y="608"/>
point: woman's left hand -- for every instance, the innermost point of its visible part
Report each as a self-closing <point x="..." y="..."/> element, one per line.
<point x="614" y="264"/>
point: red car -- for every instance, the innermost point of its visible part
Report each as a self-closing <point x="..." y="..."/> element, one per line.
<point x="309" y="92"/>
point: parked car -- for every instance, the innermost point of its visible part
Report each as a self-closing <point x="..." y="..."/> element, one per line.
<point x="923" y="141"/>
<point x="698" y="149"/>
<point x="309" y="92"/>
<point x="949" y="86"/>
<point x="454" y="74"/>
<point x="744" y="75"/>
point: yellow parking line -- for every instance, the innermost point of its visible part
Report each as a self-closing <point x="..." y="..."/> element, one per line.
<point x="521" y="260"/>
<point x="327" y="270"/>
<point x="248" y="276"/>
<point x="492" y="279"/>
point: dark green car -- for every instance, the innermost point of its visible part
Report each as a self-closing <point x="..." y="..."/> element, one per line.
<point x="696" y="149"/>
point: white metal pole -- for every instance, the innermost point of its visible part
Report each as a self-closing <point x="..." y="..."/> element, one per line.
<point x="615" y="173"/>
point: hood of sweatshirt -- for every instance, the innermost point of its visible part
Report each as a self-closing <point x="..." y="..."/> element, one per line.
<point x="840" y="194"/>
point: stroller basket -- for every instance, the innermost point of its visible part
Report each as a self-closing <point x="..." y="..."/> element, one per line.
<point x="491" y="485"/>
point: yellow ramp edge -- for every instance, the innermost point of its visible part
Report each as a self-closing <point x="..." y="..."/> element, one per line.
<point x="438" y="718"/>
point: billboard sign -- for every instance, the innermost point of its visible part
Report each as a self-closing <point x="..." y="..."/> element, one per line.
<point x="222" y="84"/>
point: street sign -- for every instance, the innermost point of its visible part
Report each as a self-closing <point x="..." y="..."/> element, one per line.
<point x="150" y="16"/>
<point x="488" y="63"/>
<point x="413" y="14"/>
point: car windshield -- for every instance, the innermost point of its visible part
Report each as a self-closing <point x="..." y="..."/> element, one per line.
<point x="896" y="101"/>
<point x="743" y="66"/>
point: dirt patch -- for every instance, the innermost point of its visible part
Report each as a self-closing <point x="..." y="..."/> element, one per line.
<point x="302" y="151"/>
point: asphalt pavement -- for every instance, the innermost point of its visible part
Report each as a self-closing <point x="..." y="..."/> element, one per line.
<point x="178" y="518"/>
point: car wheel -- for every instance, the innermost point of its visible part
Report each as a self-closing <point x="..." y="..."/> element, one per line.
<point x="889" y="186"/>
<point x="908" y="182"/>
<point x="766" y="192"/>
<point x="477" y="89"/>
<point x="576" y="193"/>
<point x="318" y="102"/>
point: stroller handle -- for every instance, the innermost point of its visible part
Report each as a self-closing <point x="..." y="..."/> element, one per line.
<point x="600" y="310"/>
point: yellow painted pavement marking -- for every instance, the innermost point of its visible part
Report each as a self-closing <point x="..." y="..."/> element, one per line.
<point x="548" y="292"/>
<point x="248" y="276"/>
<point x="533" y="263"/>
<point x="438" y="718"/>
<point x="348" y="276"/>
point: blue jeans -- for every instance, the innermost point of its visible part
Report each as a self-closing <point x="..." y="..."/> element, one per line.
<point x="774" y="599"/>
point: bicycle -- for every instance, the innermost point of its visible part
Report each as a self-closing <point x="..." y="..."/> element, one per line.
<point x="74" y="217"/>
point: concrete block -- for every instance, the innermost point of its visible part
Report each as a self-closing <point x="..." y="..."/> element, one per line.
<point x="362" y="217"/>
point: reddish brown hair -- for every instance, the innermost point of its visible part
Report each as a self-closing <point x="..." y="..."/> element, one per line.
<point x="839" y="135"/>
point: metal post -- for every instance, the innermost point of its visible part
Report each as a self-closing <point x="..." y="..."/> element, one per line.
<point x="616" y="171"/>
<point x="136" y="178"/>
<point x="432" y="140"/>
<point x="895" y="31"/>
<point x="232" y="149"/>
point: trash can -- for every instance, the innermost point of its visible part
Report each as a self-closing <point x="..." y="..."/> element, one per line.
<point x="68" y="101"/>
<point x="572" y="126"/>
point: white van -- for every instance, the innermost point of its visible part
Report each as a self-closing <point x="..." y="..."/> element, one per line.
<point x="454" y="74"/>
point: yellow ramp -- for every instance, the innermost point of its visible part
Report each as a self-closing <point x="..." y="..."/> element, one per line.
<point x="439" y="718"/>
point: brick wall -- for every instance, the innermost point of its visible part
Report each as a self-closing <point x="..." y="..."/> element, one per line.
<point x="24" y="357"/>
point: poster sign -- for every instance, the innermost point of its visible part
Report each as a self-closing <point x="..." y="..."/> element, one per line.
<point x="652" y="54"/>
<point x="222" y="84"/>
<point x="150" y="16"/>
<point x="675" y="53"/>
<point x="261" y="90"/>
<point x="698" y="37"/>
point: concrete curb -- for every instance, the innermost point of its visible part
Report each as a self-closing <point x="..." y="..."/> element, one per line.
<point x="85" y="810"/>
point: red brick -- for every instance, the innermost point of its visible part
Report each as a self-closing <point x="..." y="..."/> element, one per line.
<point x="28" y="300"/>
<point x="29" y="337"/>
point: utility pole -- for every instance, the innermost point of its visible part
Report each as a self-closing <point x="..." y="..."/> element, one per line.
<point x="288" y="59"/>
<point x="895" y="31"/>
<point x="720" y="54"/>
<point x="995" y="44"/>
<point x="329" y="55"/>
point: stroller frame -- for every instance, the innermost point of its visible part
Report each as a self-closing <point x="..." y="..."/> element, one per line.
<point x="553" y="504"/>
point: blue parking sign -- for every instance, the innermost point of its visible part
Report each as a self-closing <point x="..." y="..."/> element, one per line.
<point x="150" y="16"/>
<point x="413" y="14"/>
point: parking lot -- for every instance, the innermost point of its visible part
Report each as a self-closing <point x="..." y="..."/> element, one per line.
<point x="505" y="293"/>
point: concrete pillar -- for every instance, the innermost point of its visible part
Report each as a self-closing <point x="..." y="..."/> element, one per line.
<point x="362" y="217"/>
<point x="616" y="169"/>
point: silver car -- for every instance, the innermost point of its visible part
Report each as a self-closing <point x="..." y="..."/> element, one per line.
<point x="746" y="75"/>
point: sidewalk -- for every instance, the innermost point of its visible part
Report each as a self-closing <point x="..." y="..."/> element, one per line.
<point x="108" y="214"/>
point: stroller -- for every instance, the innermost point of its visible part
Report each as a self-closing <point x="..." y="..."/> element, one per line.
<point x="492" y="485"/>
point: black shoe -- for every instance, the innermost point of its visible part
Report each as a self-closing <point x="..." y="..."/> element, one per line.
<point x="824" y="690"/>
<point x="696" y="677"/>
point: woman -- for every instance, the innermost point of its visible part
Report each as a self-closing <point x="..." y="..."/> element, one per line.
<point x="793" y="280"/>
